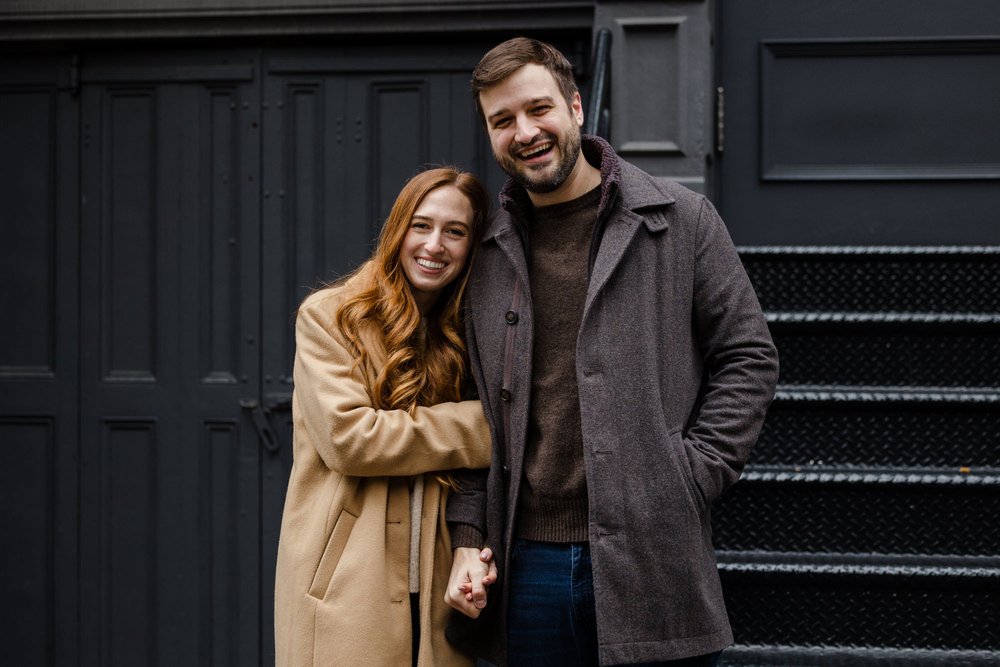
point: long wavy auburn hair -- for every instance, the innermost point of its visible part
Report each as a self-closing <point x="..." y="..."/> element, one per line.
<point x="419" y="369"/>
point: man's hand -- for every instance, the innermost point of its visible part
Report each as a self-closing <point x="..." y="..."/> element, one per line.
<point x="472" y="572"/>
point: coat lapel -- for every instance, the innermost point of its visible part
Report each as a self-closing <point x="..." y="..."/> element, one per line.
<point x="637" y="192"/>
<point x="509" y="241"/>
<point x="618" y="234"/>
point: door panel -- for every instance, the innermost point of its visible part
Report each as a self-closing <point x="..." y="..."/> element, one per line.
<point x="860" y="123"/>
<point x="169" y="467"/>
<point x="343" y="130"/>
<point x="38" y="360"/>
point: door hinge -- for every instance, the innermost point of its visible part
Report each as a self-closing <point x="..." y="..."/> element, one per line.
<point x="74" y="75"/>
<point x="720" y="119"/>
<point x="260" y="422"/>
<point x="69" y="75"/>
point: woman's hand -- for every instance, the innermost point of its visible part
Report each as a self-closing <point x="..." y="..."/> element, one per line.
<point x="473" y="571"/>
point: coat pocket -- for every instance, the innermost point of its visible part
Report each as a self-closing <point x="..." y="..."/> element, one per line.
<point x="331" y="555"/>
<point x="679" y="449"/>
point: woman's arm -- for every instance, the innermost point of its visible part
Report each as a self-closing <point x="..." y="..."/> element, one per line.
<point x="333" y="407"/>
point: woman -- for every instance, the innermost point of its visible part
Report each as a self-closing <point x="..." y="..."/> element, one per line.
<point x="380" y="371"/>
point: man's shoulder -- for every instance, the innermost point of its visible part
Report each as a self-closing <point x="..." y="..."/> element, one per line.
<point x="640" y="189"/>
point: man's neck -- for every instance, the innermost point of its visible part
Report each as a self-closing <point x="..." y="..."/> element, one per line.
<point x="584" y="178"/>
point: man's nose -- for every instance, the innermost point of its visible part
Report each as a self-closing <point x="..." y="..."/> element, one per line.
<point x="527" y="130"/>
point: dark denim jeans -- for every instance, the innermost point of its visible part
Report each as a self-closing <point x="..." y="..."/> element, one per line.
<point x="550" y="618"/>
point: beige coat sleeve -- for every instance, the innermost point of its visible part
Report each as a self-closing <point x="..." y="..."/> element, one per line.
<point x="333" y="406"/>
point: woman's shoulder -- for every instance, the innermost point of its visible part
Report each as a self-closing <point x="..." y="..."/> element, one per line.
<point x="328" y="299"/>
<point x="318" y="313"/>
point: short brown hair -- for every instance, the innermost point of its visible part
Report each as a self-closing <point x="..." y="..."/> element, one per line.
<point x="504" y="59"/>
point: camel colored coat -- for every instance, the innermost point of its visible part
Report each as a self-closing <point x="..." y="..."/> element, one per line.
<point x="342" y="584"/>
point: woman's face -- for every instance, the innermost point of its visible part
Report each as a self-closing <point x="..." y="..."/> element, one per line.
<point x="436" y="244"/>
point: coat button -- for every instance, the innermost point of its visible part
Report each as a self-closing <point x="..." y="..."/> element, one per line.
<point x="511" y="317"/>
<point x="504" y="394"/>
<point x="506" y="469"/>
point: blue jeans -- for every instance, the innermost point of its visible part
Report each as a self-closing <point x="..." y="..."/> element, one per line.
<point x="550" y="615"/>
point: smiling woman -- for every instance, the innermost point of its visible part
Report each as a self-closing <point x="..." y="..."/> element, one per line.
<point x="379" y="421"/>
<point x="437" y="243"/>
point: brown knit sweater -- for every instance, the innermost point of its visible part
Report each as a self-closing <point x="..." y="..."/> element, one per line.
<point x="553" y="501"/>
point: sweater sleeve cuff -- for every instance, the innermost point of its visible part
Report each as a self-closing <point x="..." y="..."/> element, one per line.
<point x="465" y="535"/>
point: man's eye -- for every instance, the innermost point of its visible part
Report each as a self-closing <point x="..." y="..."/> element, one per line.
<point x="500" y="124"/>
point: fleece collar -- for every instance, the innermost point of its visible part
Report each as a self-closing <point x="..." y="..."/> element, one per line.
<point x="619" y="181"/>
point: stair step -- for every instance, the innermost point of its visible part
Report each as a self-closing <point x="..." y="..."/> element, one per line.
<point x="876" y="279"/>
<point x="922" y="427"/>
<point x="867" y="511"/>
<point x="863" y="606"/>
<point x="896" y="353"/>
<point x="849" y="318"/>
<point x="749" y="655"/>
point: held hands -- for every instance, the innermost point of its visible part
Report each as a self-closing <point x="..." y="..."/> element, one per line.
<point x="472" y="573"/>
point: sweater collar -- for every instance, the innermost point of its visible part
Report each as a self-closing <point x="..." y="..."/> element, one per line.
<point x="639" y="192"/>
<point x="514" y="198"/>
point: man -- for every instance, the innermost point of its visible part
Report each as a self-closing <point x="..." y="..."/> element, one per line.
<point x="625" y="366"/>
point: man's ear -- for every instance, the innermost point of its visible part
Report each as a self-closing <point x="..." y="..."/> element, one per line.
<point x="577" y="108"/>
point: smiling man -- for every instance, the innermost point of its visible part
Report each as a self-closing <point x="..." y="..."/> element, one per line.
<point x="625" y="367"/>
<point x="535" y="135"/>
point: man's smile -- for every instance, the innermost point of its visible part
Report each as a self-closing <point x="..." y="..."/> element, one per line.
<point x="539" y="150"/>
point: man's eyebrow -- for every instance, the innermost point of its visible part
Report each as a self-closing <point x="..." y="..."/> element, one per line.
<point x="532" y="102"/>
<point x="539" y="100"/>
<point x="497" y="114"/>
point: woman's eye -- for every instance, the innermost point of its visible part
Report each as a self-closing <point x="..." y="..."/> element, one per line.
<point x="457" y="233"/>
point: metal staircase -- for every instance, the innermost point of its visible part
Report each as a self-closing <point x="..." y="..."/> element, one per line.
<point x="866" y="527"/>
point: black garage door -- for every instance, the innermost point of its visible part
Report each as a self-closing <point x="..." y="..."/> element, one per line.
<point x="161" y="216"/>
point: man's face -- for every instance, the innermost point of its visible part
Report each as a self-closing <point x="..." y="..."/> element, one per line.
<point x="534" y="134"/>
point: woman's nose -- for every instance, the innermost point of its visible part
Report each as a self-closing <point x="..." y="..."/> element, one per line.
<point x="434" y="243"/>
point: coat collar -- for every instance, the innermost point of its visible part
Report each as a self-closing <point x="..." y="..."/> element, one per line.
<point x="622" y="184"/>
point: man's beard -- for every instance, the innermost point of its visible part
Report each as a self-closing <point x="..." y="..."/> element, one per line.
<point x="569" y="151"/>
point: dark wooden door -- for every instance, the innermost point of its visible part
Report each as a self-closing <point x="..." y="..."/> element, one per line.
<point x="343" y="130"/>
<point x="162" y="214"/>
<point x="860" y="174"/>
<point x="169" y="295"/>
<point x="39" y="362"/>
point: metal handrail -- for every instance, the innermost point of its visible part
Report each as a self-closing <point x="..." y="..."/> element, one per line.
<point x="598" y="114"/>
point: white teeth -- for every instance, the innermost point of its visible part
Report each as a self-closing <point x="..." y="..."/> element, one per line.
<point x="428" y="264"/>
<point x="535" y="151"/>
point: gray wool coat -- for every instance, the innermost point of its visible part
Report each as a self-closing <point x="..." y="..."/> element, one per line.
<point x="675" y="368"/>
